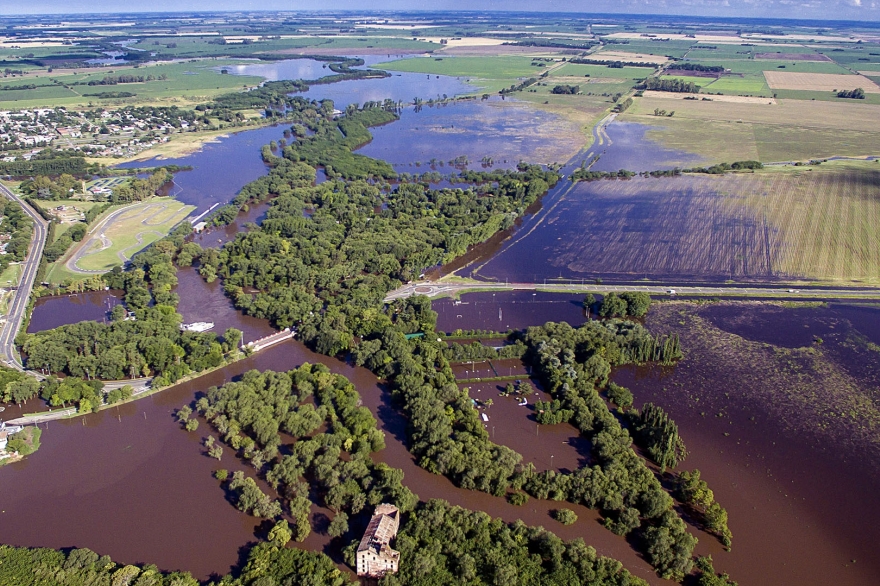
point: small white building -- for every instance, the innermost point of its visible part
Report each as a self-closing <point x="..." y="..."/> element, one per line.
<point x="375" y="558"/>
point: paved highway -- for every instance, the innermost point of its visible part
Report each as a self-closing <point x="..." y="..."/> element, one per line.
<point x="29" y="272"/>
<point x="440" y="288"/>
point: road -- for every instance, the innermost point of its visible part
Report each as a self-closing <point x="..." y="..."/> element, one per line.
<point x="21" y="296"/>
<point x="440" y="288"/>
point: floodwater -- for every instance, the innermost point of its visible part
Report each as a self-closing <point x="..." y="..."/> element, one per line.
<point x="58" y="310"/>
<point x="504" y="131"/>
<point x="399" y="87"/>
<point x="802" y="501"/>
<point x="220" y="169"/>
<point x="629" y="148"/>
<point x="669" y="228"/>
<point x="150" y="482"/>
<point x="506" y="310"/>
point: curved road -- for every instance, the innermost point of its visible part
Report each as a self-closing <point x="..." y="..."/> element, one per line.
<point x="29" y="272"/>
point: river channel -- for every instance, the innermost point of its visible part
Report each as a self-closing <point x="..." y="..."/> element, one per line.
<point x="800" y="513"/>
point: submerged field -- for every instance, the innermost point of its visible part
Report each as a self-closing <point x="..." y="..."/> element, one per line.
<point x="818" y="224"/>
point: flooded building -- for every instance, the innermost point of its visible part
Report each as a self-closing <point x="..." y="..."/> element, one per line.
<point x="375" y="558"/>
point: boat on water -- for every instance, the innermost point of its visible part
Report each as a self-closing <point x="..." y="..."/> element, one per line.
<point x="199" y="326"/>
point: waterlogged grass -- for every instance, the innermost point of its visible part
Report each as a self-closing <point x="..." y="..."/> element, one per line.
<point x="815" y="390"/>
<point x="799" y="225"/>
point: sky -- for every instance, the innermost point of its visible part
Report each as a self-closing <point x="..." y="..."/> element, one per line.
<point x="863" y="10"/>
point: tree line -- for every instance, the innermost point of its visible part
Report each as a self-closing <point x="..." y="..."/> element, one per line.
<point x="668" y="85"/>
<point x="444" y="544"/>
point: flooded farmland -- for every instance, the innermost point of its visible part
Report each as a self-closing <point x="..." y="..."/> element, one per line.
<point x="776" y="404"/>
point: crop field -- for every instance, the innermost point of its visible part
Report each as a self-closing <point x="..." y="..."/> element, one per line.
<point x="494" y="68"/>
<point x="127" y="232"/>
<point x="793" y="56"/>
<point x="818" y="224"/>
<point x="194" y="80"/>
<point x="788" y="80"/>
<point x="789" y="130"/>
<point x="738" y="86"/>
<point x="601" y="71"/>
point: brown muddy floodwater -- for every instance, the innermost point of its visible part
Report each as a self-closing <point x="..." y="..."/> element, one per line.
<point x="800" y="487"/>
<point x="779" y="424"/>
<point x="130" y="483"/>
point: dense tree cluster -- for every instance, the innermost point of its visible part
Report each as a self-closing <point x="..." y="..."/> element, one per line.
<point x="722" y="168"/>
<point x="566" y="89"/>
<point x="266" y="564"/>
<point x="611" y="64"/>
<point x="658" y="434"/>
<point x="250" y="415"/>
<point x="357" y="244"/>
<point x="582" y="174"/>
<point x="856" y="94"/>
<point x="691" y="490"/>
<point x="151" y="344"/>
<point x="669" y="85"/>
<point x="16" y="228"/>
<point x="443" y="544"/>
<point x="634" y="304"/>
<point x="689" y="66"/>
<point x="140" y="189"/>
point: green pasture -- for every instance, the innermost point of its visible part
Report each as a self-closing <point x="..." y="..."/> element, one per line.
<point x="824" y="96"/>
<point x="11" y="276"/>
<point x="739" y="86"/>
<point x="197" y="79"/>
<point x="856" y="59"/>
<point x="674" y="49"/>
<point x="602" y="71"/>
<point x="502" y="67"/>
<point x="758" y="66"/>
<point x="202" y="46"/>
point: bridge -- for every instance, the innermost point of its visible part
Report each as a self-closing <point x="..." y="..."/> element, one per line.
<point x="454" y="288"/>
<point x="269" y="341"/>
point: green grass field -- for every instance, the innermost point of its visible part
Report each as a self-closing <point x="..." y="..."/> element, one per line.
<point x="474" y="67"/>
<point x="790" y="130"/>
<point x="602" y="71"/>
<point x="131" y="231"/>
<point x="184" y="81"/>
<point x="201" y="46"/>
<point x="10" y="277"/>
